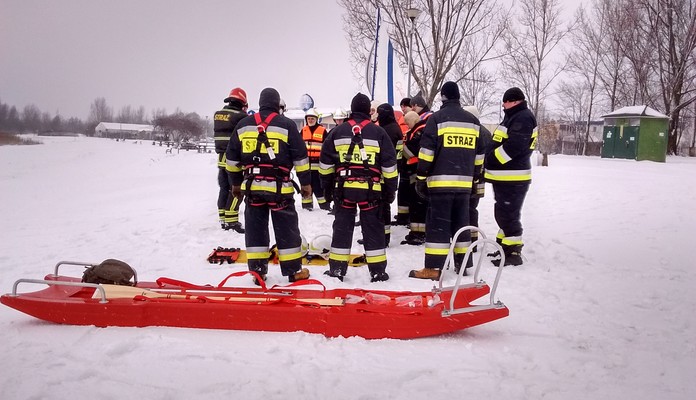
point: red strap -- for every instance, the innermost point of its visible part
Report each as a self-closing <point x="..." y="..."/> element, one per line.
<point x="303" y="282"/>
<point x="360" y="126"/>
<point x="261" y="282"/>
<point x="266" y="122"/>
<point x="182" y="284"/>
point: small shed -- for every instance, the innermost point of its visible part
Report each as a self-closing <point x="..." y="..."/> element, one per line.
<point x="635" y="133"/>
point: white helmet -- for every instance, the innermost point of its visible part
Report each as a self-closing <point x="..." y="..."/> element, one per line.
<point x="312" y="112"/>
<point x="340" y="113"/>
<point x="305" y="246"/>
<point x="282" y="106"/>
<point x="320" y="246"/>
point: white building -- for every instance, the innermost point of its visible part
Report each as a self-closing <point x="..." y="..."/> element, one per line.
<point x="123" y="131"/>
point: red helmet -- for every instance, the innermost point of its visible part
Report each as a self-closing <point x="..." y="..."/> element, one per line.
<point x="238" y="94"/>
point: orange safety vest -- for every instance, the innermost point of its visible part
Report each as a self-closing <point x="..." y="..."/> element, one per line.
<point x="313" y="140"/>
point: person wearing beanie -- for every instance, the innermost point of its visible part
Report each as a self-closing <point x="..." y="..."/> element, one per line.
<point x="509" y="170"/>
<point x="224" y="121"/>
<point x="358" y="162"/>
<point x="450" y="160"/>
<point x="263" y="151"/>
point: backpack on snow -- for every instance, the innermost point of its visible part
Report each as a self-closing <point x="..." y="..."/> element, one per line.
<point x="110" y="271"/>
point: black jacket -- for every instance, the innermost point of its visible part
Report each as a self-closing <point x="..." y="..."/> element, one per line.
<point x="513" y="141"/>
<point x="256" y="168"/>
<point x="346" y="171"/>
<point x="224" y="122"/>
<point x="451" y="152"/>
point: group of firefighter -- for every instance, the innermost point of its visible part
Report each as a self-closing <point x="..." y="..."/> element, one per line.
<point x="435" y="164"/>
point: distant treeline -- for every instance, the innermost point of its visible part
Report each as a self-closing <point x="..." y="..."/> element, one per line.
<point x="32" y="120"/>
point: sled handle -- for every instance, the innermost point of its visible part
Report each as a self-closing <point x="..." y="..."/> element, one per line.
<point x="482" y="242"/>
<point x="97" y="287"/>
<point x="86" y="264"/>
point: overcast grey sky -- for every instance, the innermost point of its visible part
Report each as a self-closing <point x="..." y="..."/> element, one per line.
<point x="61" y="55"/>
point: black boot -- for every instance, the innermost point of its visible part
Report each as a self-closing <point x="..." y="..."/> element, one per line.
<point x="513" y="256"/>
<point x="379" y="277"/>
<point x="235" y="226"/>
<point x="414" y="239"/>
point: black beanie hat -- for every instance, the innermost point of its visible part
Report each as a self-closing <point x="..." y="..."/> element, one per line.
<point x="269" y="98"/>
<point x="360" y="104"/>
<point x="513" y="94"/>
<point x="450" y="91"/>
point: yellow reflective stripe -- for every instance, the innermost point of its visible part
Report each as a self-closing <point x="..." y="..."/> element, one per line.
<point x="339" y="257"/>
<point x="449" y="184"/>
<point x="512" y="240"/>
<point x="436" y="252"/>
<point x="500" y="134"/>
<point x="501" y="155"/>
<point x="425" y="156"/>
<point x="262" y="255"/>
<point x="460" y="250"/>
<point x="289" y="254"/>
<point x="376" y="259"/>
<point x="507" y="176"/>
<point x="388" y="175"/>
<point x="361" y="185"/>
<point x="271" y="187"/>
<point x="302" y="168"/>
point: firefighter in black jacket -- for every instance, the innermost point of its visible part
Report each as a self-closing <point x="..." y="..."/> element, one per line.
<point x="359" y="161"/>
<point x="509" y="170"/>
<point x="449" y="161"/>
<point x="479" y="189"/>
<point x="224" y="122"/>
<point x="387" y="120"/>
<point x="262" y="152"/>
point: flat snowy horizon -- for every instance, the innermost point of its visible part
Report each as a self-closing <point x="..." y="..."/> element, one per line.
<point x="602" y="308"/>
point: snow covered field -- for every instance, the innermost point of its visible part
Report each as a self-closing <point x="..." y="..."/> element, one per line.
<point x="602" y="309"/>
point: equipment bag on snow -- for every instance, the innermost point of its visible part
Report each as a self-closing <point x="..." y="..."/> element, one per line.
<point x="110" y="271"/>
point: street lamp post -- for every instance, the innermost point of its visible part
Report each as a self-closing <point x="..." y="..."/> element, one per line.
<point x="412" y="14"/>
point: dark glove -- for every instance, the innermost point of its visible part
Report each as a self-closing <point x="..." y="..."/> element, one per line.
<point x="389" y="197"/>
<point x="422" y="189"/>
<point x="237" y="192"/>
<point x="306" y="191"/>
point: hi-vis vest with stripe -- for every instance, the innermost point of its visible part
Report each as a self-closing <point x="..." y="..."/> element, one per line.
<point x="313" y="140"/>
<point x="451" y="154"/>
<point x="224" y="122"/>
<point x="508" y="161"/>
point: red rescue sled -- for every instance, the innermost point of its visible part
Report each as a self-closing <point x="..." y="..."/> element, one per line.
<point x="370" y="314"/>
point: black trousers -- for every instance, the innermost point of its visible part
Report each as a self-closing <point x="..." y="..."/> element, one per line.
<point x="474" y="215"/>
<point x="418" y="209"/>
<point x="317" y="191"/>
<point x="228" y="205"/>
<point x="447" y="212"/>
<point x="371" y="222"/>
<point x="509" y="198"/>
<point x="287" y="234"/>
<point x="403" y="194"/>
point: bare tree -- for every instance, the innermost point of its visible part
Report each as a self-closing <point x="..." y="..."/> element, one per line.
<point x="478" y="89"/>
<point x="451" y="39"/>
<point x="179" y="126"/>
<point x="529" y="44"/>
<point x="99" y="111"/>
<point x="31" y="118"/>
<point x="584" y="62"/>
<point x="673" y="24"/>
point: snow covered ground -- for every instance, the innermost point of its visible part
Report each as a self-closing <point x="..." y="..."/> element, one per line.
<point x="602" y="309"/>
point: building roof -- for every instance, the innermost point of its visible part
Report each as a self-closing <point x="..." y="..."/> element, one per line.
<point x="635" y="111"/>
<point x="117" y="126"/>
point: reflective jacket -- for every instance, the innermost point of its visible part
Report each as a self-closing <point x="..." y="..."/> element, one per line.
<point x="512" y="144"/>
<point x="313" y="137"/>
<point x="262" y="172"/>
<point x="224" y="122"/>
<point x="359" y="173"/>
<point x="451" y="152"/>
